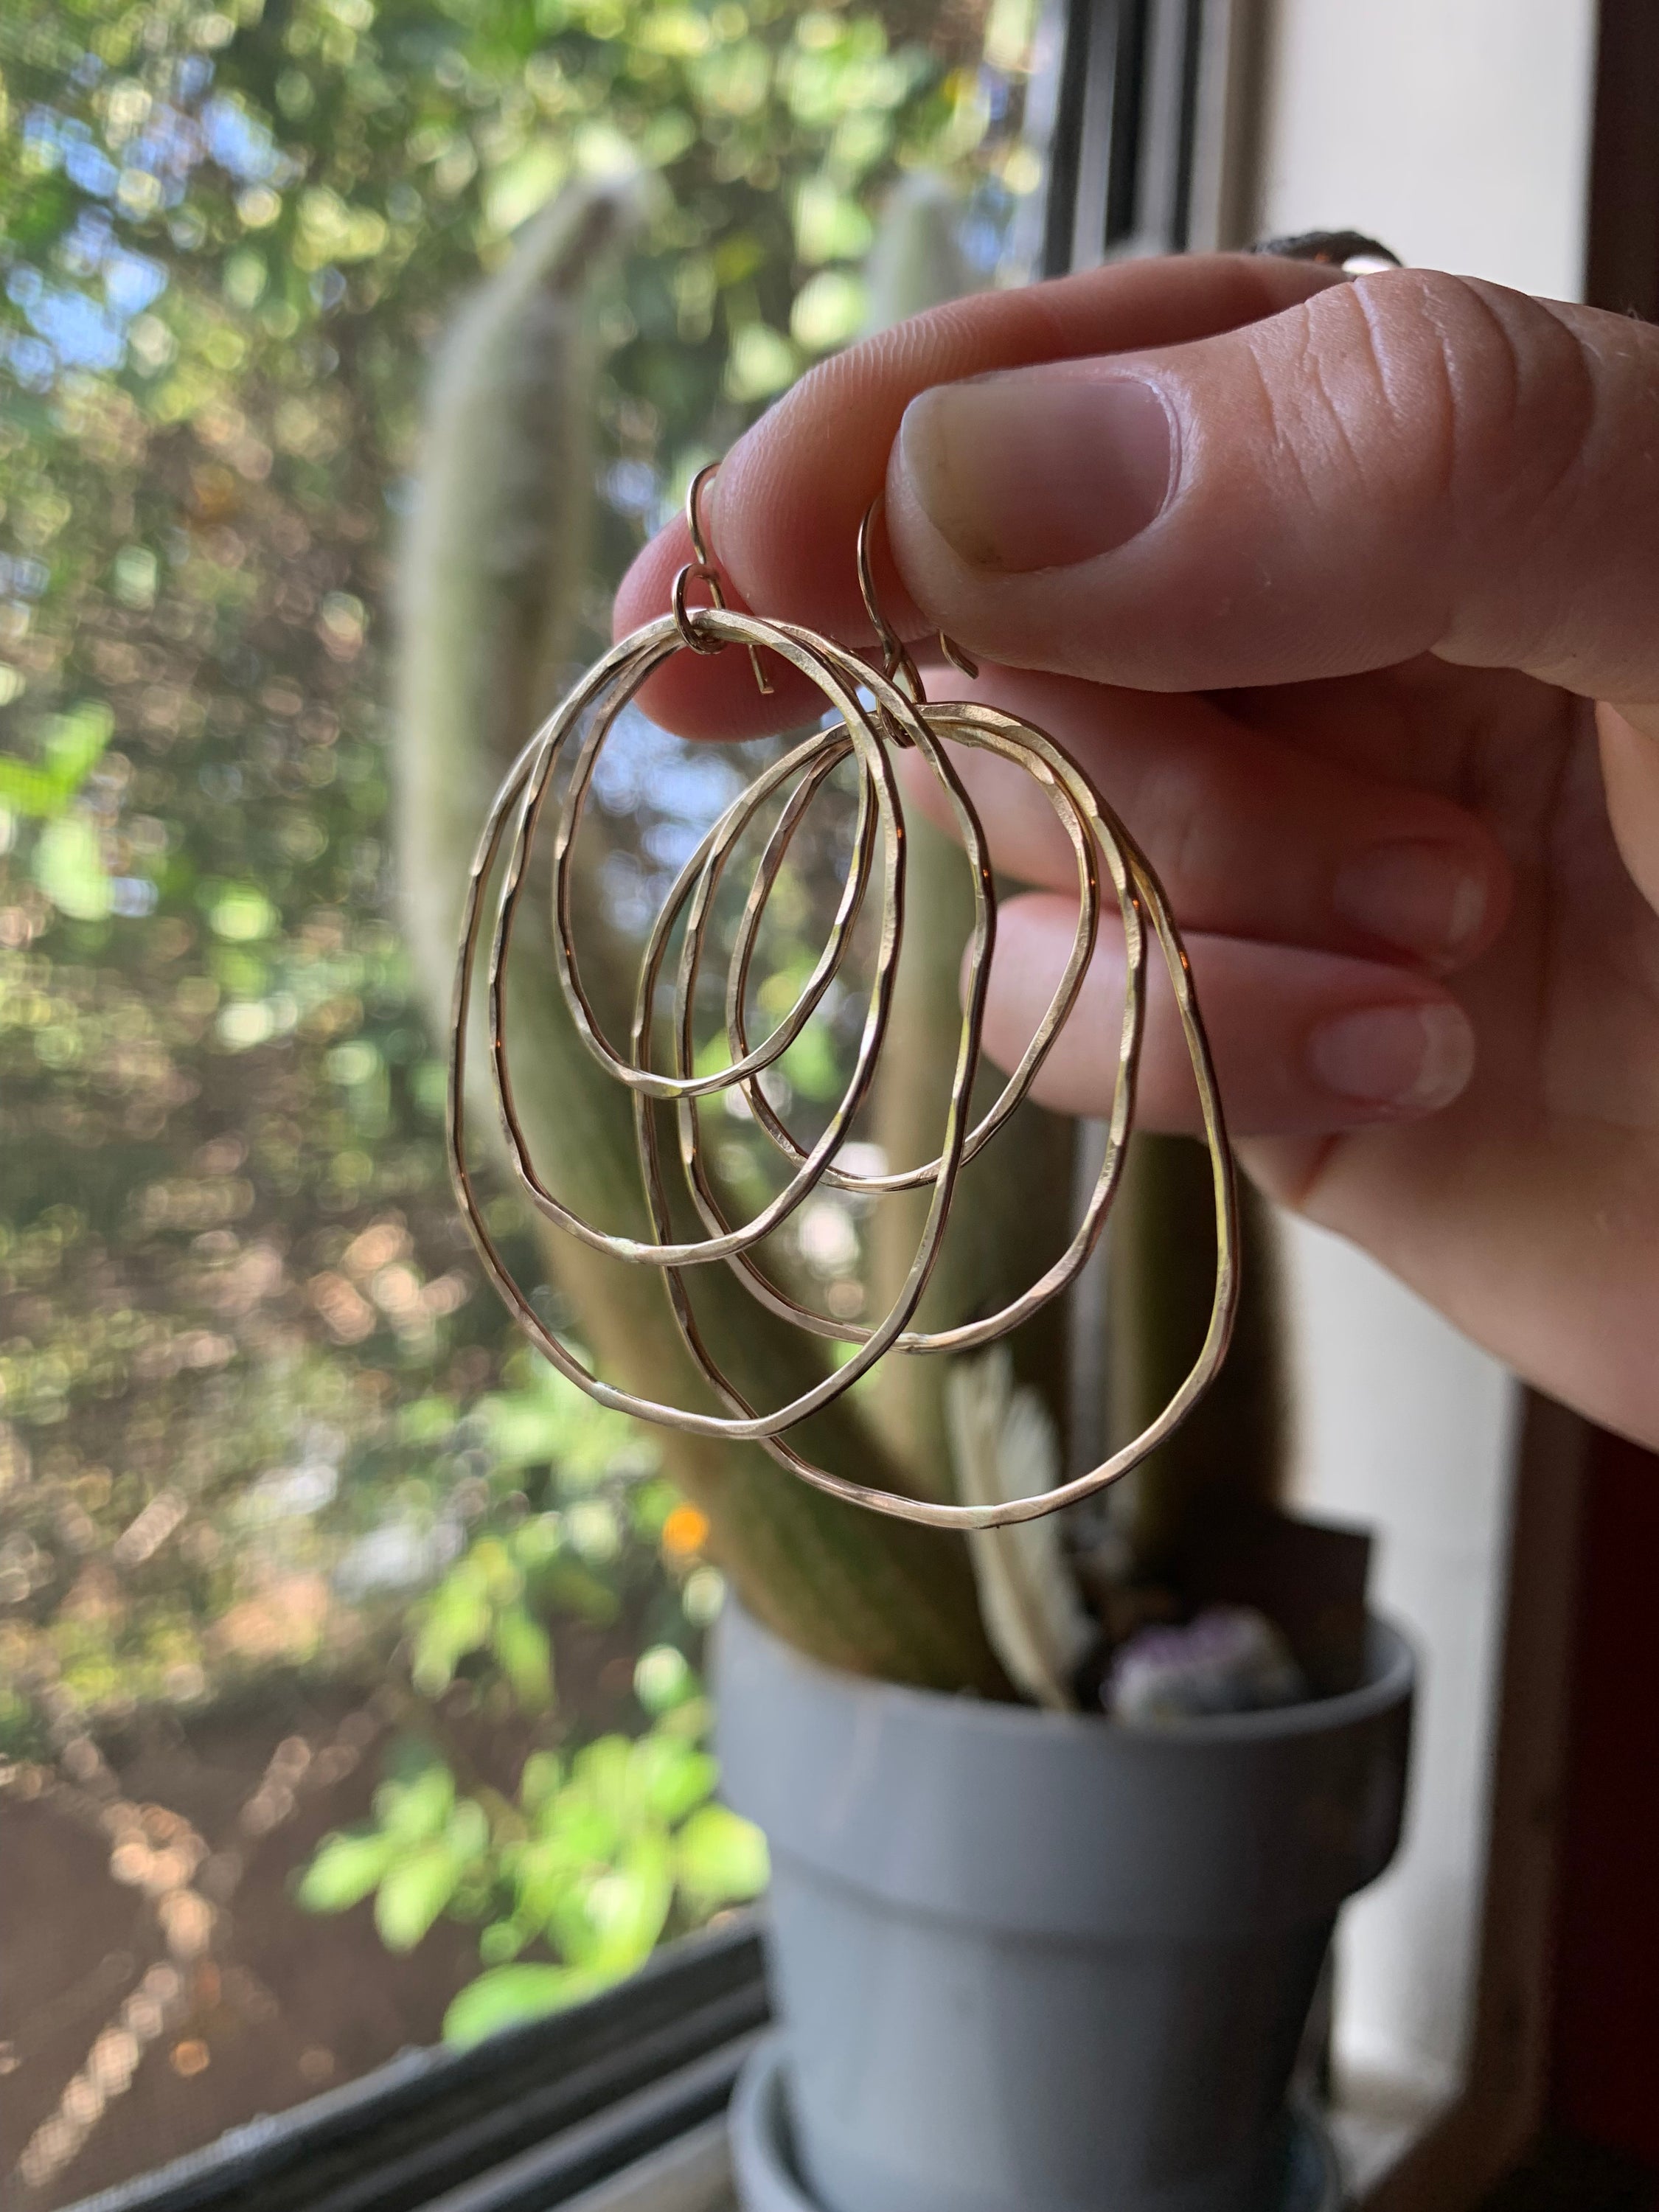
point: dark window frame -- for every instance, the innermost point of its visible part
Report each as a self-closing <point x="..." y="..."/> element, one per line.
<point x="523" y="2122"/>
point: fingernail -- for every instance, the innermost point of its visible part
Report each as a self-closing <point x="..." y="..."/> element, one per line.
<point x="1038" y="468"/>
<point x="1416" y="1057"/>
<point x="1420" y="895"/>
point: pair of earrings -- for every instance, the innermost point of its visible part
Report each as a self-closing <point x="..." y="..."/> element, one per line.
<point x="872" y="715"/>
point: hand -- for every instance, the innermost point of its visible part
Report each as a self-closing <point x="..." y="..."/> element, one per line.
<point x="1347" y="597"/>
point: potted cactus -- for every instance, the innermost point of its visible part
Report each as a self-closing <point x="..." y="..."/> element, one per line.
<point x="1054" y="1959"/>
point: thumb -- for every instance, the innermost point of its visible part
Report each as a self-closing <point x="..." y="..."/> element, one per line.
<point x="1409" y="463"/>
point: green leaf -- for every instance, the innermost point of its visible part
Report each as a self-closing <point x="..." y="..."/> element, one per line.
<point x="455" y="1620"/>
<point x="605" y="1774"/>
<point x="71" y="744"/>
<point x="663" y="1679"/>
<point x="690" y="1722"/>
<point x="505" y="1996"/>
<point x="468" y="1832"/>
<point x="489" y="1565"/>
<point x="826" y="312"/>
<point x="525" y="181"/>
<point x="543" y="1871"/>
<point x="74" y="744"/>
<point x="526" y="1652"/>
<point x="475" y="1894"/>
<point x="611" y="1923"/>
<point x="344" y="1870"/>
<point x="649" y="1506"/>
<point x="69" y="867"/>
<point x="540" y="1779"/>
<point x="426" y="1420"/>
<point x="537" y="1540"/>
<point x="414" y="1892"/>
<point x="501" y="1940"/>
<point x="586" y="1833"/>
<point x="675" y="1776"/>
<point x="829" y="226"/>
<point x="413" y="1809"/>
<point x="761" y="364"/>
<point x="26" y="789"/>
<point x="552" y="1420"/>
<point x="720" y="1858"/>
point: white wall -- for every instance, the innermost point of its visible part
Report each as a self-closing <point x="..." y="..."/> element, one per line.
<point x="1456" y="131"/>
<point x="1405" y="1427"/>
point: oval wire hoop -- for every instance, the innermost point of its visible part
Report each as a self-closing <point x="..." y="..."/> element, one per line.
<point x="869" y="729"/>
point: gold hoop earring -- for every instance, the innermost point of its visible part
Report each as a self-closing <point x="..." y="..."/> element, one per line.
<point x="874" y="715"/>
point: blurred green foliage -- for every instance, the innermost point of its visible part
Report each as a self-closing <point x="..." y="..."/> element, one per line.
<point x="257" y="1410"/>
<point x="598" y="1857"/>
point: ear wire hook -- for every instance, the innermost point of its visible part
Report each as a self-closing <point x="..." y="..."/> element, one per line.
<point x="898" y="665"/>
<point x="703" y="571"/>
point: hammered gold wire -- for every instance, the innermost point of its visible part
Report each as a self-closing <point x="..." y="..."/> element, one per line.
<point x="873" y="715"/>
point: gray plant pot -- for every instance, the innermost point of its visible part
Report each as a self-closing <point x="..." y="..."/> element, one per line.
<point x="1036" y="1962"/>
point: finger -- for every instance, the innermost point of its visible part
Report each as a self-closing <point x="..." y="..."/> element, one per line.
<point x="1411" y="463"/>
<point x="1249" y="838"/>
<point x="784" y="510"/>
<point x="1423" y="721"/>
<point x="1630" y="771"/>
<point x="1303" y="1042"/>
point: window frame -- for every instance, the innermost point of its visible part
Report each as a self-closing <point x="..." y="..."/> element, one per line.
<point x="531" y="2118"/>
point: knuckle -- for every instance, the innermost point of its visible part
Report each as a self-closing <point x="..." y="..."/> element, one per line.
<point x="1453" y="393"/>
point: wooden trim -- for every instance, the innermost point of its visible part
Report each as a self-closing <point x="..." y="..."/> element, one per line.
<point x="1604" y="2086"/>
<point x="1501" y="2106"/>
<point x="1621" y="260"/>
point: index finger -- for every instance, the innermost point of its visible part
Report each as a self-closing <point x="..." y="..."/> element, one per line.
<point x="784" y="510"/>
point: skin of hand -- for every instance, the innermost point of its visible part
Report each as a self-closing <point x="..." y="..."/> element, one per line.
<point x="1346" y="595"/>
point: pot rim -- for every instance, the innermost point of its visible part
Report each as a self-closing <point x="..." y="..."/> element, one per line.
<point x="1226" y="1825"/>
<point x="1390" y="1675"/>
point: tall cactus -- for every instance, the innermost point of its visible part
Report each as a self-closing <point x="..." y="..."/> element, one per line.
<point x="1229" y="1452"/>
